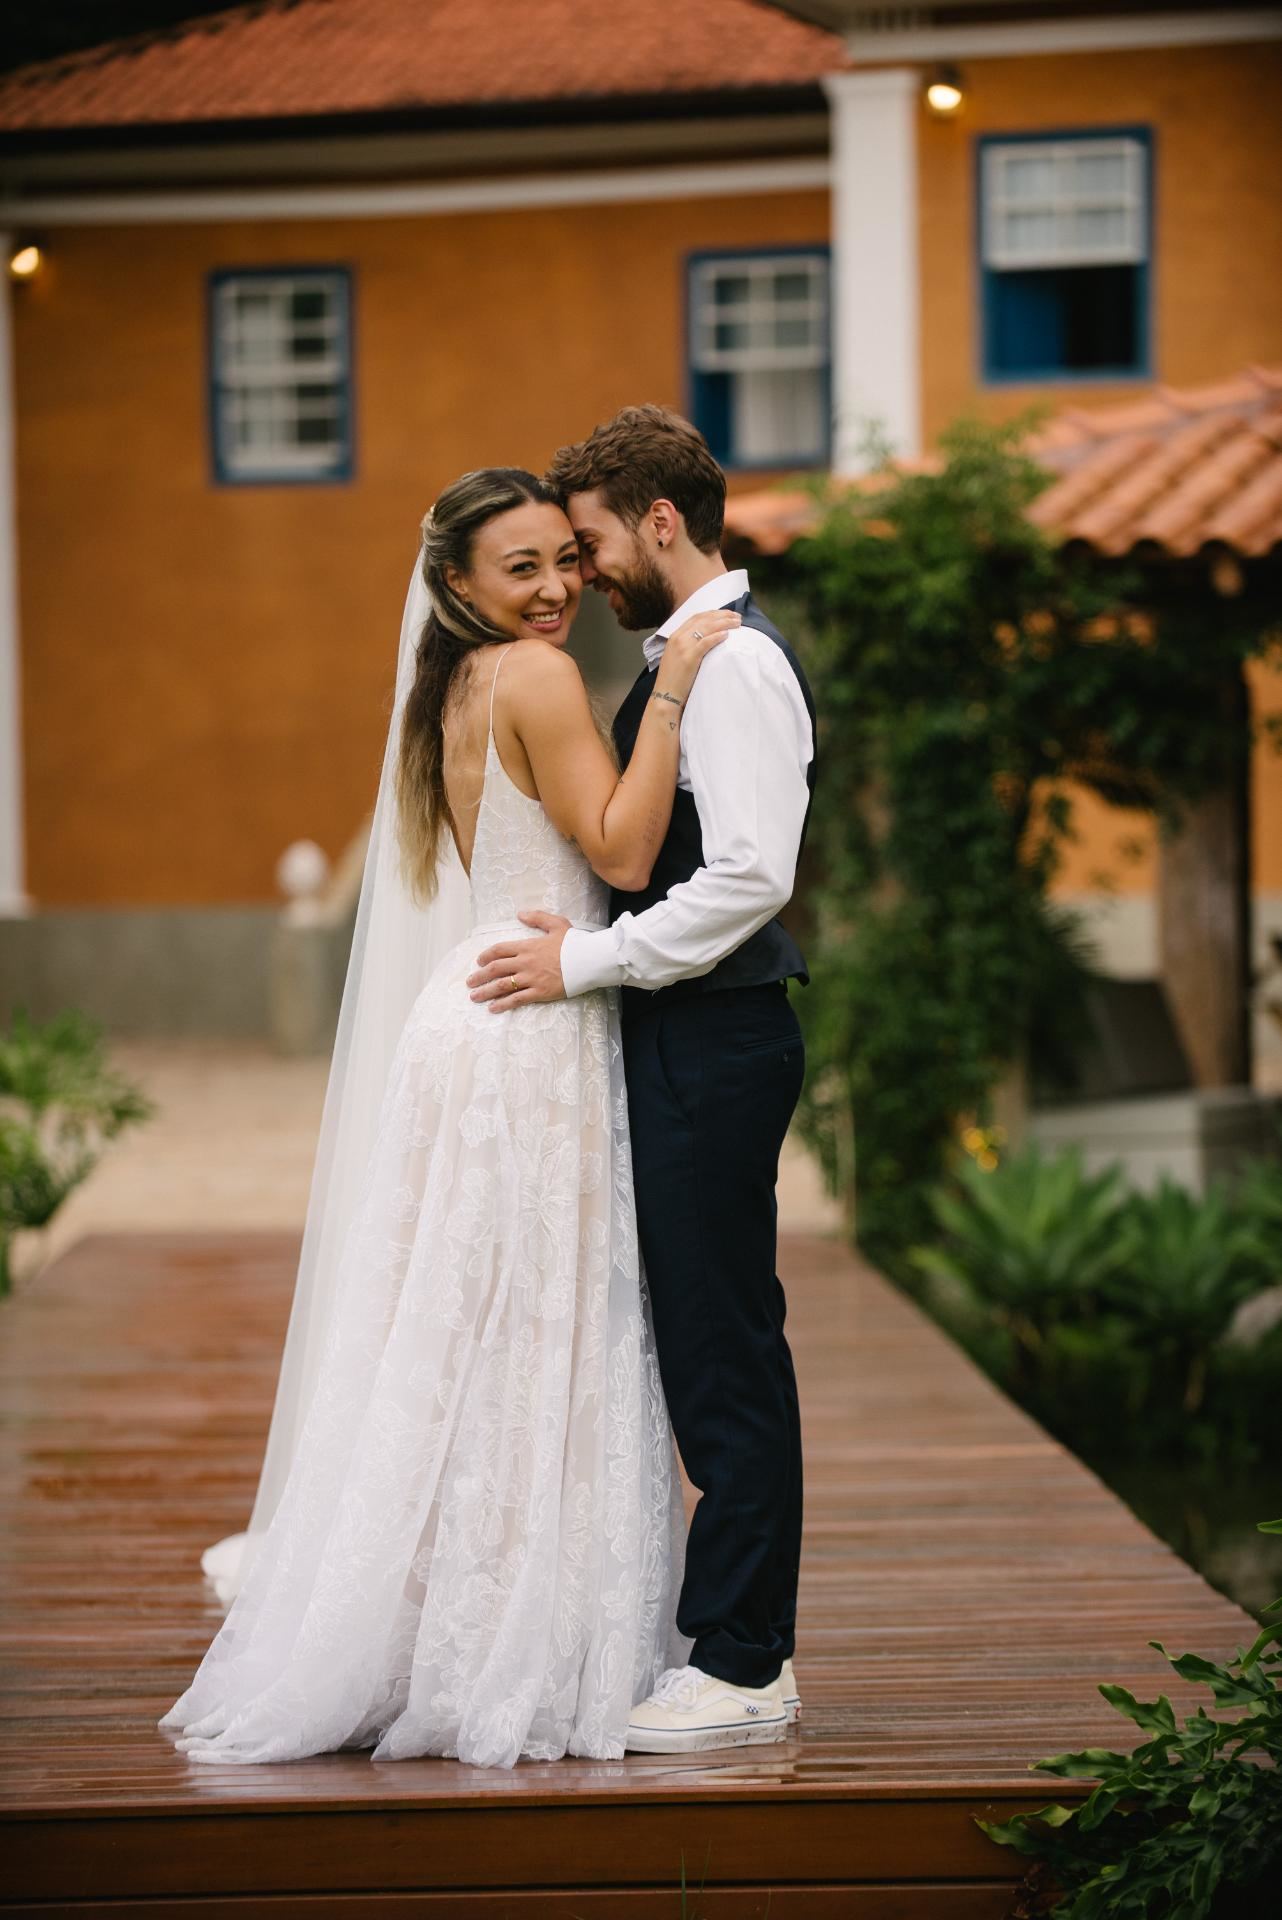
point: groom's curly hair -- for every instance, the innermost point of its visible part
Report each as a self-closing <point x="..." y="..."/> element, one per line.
<point x="646" y="454"/>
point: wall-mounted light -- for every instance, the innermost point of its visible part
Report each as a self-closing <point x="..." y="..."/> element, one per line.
<point x="944" y="91"/>
<point x="25" y="261"/>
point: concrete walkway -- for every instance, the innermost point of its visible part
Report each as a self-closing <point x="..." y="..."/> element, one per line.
<point x="231" y="1148"/>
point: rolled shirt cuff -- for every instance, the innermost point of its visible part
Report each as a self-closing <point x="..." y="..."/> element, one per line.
<point x="590" y="959"/>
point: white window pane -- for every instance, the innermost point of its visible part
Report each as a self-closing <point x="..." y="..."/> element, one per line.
<point x="794" y="333"/>
<point x="1064" y="203"/>
<point x="268" y="330"/>
<point x="763" y="340"/>
<point x="1100" y="175"/>
<point x="1031" y="233"/>
<point x="778" y="414"/>
<point x="256" y="344"/>
<point x="759" y="313"/>
<point x="258" y="421"/>
<point x="729" y="334"/>
<point x="248" y="338"/>
<point x="252" y="306"/>
<point x="1029" y="176"/>
<point x="1097" y="229"/>
<point x="261" y="353"/>
<point x="793" y="286"/>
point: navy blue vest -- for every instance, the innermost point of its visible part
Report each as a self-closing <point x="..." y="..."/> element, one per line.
<point x="771" y="953"/>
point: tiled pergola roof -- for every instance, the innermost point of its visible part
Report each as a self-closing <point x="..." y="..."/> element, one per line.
<point x="1176" y="471"/>
<point x="1181" y="469"/>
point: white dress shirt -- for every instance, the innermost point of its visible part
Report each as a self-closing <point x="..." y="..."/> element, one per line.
<point x="746" y="742"/>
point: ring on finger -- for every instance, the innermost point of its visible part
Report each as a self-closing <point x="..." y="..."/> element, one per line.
<point x="515" y="985"/>
<point x="696" y="634"/>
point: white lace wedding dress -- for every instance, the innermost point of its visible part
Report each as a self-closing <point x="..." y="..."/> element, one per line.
<point x="478" y="1551"/>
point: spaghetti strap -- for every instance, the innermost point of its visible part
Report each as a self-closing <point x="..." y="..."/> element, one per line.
<point x="494" y="682"/>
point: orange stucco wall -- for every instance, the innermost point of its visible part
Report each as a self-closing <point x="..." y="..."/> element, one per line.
<point x="206" y="669"/>
<point x="1215" y="287"/>
<point x="1266" y="780"/>
<point x="1114" y="851"/>
<point x="1216" y="275"/>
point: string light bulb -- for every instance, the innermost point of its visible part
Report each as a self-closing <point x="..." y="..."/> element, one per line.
<point x="944" y="91"/>
<point x="25" y="262"/>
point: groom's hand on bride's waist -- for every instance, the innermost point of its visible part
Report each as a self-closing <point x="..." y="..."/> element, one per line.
<point x="516" y="971"/>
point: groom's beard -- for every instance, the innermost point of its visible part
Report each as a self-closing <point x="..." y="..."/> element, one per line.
<point x="646" y="596"/>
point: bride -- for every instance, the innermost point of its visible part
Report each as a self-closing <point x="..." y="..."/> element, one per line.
<point x="468" y="1534"/>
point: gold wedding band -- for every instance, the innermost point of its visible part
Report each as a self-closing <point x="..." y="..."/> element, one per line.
<point x="515" y="987"/>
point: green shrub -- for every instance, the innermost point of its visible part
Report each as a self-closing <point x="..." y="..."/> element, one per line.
<point x="1104" y="1313"/>
<point x="1034" y="1241"/>
<point x="1257" y="1194"/>
<point x="1189" y="1263"/>
<point x="974" y="675"/>
<point x="60" y="1103"/>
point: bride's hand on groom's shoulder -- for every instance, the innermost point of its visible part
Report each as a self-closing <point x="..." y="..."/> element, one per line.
<point x="516" y="972"/>
<point x="693" y="640"/>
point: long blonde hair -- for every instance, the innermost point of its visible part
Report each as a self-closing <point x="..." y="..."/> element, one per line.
<point x="452" y="632"/>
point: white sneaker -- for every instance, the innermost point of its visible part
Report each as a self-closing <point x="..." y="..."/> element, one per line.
<point x="690" y="1710"/>
<point x="791" y="1698"/>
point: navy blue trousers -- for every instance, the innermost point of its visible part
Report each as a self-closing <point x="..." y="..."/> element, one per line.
<point x="713" y="1079"/>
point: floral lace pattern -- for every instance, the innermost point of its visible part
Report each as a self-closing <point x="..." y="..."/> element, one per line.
<point x="479" y="1549"/>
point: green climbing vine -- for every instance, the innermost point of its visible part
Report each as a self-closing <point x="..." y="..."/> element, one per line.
<point x="968" y="673"/>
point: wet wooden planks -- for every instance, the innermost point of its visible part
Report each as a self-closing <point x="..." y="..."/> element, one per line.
<point x="967" y="1584"/>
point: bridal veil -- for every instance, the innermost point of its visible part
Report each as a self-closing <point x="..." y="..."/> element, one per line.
<point x="395" y="947"/>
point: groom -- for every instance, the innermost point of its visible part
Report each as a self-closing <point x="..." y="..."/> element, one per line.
<point x="713" y="1058"/>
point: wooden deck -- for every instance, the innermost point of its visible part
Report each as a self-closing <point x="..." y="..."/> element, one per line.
<point x="966" y="1585"/>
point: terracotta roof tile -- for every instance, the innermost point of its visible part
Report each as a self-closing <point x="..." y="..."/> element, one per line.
<point x="284" y="59"/>
<point x="1251" y="520"/>
<point x="1206" y="446"/>
<point x="770" y="522"/>
<point x="1180" y="469"/>
<point x="1179" y="521"/>
<point x="1118" y="459"/>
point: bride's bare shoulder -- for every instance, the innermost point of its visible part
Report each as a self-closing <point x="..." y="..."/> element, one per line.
<point x="535" y="668"/>
<point x="540" y="656"/>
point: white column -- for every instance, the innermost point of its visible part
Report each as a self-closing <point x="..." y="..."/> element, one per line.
<point x="877" y="328"/>
<point x="13" y="898"/>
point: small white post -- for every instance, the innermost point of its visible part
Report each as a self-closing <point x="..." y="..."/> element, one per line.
<point x="877" y="331"/>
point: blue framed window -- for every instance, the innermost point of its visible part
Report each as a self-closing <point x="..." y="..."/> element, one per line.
<point x="1065" y="226"/>
<point x="759" y="356"/>
<point x="281" y="375"/>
